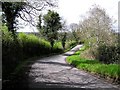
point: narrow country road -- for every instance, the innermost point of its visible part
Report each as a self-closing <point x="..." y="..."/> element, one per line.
<point x="54" y="72"/>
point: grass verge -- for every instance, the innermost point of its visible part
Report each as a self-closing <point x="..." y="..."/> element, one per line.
<point x="108" y="71"/>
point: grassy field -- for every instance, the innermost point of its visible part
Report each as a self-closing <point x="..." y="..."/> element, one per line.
<point x="110" y="71"/>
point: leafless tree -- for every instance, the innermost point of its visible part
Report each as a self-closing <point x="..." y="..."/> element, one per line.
<point x="98" y="25"/>
<point x="33" y="9"/>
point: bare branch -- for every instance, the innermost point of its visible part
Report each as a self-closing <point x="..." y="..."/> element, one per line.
<point x="32" y="9"/>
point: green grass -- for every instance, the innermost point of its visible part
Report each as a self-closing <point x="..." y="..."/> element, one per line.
<point x="94" y="66"/>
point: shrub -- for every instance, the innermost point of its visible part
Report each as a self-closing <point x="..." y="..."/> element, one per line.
<point x="58" y="44"/>
<point x="108" y="54"/>
<point x="33" y="46"/>
<point x="11" y="52"/>
<point x="57" y="47"/>
<point x="70" y="44"/>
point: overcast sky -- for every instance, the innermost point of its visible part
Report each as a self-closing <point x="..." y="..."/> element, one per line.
<point x="72" y="10"/>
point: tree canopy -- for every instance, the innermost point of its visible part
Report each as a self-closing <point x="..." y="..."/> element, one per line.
<point x="27" y="11"/>
<point x="51" y="26"/>
<point x="11" y="11"/>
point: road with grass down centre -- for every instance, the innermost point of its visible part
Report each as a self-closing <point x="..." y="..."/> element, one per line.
<point x="54" y="72"/>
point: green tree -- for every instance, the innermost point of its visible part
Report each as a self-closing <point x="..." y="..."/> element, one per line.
<point x="51" y="26"/>
<point x="11" y="11"/>
<point x="26" y="10"/>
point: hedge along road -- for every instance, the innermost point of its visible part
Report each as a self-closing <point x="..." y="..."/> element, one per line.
<point x="54" y="72"/>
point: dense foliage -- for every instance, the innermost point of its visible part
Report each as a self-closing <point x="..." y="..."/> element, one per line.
<point x="51" y="26"/>
<point x="10" y="12"/>
<point x="108" y="54"/>
<point x="16" y="50"/>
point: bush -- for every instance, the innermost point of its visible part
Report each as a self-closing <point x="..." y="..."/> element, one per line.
<point x="33" y="46"/>
<point x="58" y="44"/>
<point x="11" y="52"/>
<point x="70" y="44"/>
<point x="108" y="54"/>
<point x="57" y="47"/>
